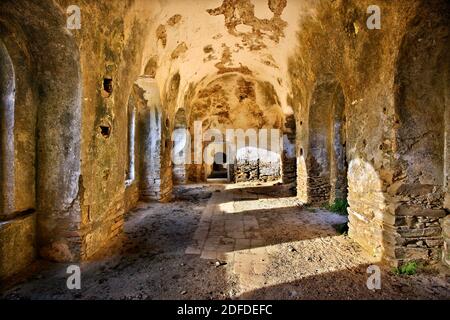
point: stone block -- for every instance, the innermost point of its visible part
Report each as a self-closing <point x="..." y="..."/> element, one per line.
<point x="405" y="210"/>
<point x="423" y="232"/>
<point x="17" y="245"/>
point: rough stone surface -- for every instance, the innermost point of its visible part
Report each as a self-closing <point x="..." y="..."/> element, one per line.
<point x="87" y="116"/>
<point x="17" y="245"/>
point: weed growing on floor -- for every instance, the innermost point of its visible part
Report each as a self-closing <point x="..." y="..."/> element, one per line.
<point x="408" y="269"/>
<point x="339" y="206"/>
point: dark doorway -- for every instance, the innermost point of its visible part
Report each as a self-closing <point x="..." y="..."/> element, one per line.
<point x="219" y="168"/>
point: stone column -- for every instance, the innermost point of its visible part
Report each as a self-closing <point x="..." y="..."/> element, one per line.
<point x="150" y="140"/>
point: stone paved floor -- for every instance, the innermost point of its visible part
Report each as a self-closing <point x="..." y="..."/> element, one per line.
<point x="238" y="226"/>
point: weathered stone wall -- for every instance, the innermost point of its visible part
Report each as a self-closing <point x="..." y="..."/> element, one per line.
<point x="65" y="139"/>
<point x="256" y="170"/>
<point x="370" y="59"/>
<point x="111" y="42"/>
<point x="47" y="125"/>
<point x="446" y="233"/>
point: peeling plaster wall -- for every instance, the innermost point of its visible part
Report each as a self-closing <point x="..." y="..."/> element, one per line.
<point x="111" y="42"/>
<point x="196" y="41"/>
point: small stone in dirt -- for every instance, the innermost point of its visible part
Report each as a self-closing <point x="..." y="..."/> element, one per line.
<point x="182" y="264"/>
<point x="220" y="263"/>
<point x="183" y="292"/>
<point x="292" y="249"/>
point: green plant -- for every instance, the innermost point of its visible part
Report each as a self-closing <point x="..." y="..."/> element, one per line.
<point x="339" y="206"/>
<point x="409" y="269"/>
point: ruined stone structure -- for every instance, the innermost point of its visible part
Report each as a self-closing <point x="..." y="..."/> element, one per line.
<point x="89" y="116"/>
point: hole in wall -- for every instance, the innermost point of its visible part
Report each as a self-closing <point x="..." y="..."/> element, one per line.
<point x="105" y="130"/>
<point x="107" y="86"/>
<point x="301" y="152"/>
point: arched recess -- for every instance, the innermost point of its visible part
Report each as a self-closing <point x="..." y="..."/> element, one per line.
<point x="326" y="164"/>
<point x="288" y="157"/>
<point x="151" y="124"/>
<point x="423" y="110"/>
<point x="219" y="166"/>
<point x="55" y="69"/>
<point x="130" y="173"/>
<point x="7" y="98"/>
<point x="181" y="148"/>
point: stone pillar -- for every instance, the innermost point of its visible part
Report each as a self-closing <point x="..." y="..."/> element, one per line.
<point x="288" y="155"/>
<point x="153" y="180"/>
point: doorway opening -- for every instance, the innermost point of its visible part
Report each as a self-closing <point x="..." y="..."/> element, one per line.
<point x="219" y="167"/>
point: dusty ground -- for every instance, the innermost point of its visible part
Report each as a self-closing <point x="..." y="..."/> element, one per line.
<point x="268" y="246"/>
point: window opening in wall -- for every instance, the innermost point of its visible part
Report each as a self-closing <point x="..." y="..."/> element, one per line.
<point x="131" y="147"/>
<point x="107" y="86"/>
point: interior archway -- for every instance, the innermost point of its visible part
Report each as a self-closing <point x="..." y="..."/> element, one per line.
<point x="326" y="161"/>
<point x="181" y="148"/>
<point x="7" y="97"/>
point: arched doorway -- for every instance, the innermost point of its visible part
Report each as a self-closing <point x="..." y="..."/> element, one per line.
<point x="219" y="167"/>
<point x="181" y="148"/>
<point x="326" y="161"/>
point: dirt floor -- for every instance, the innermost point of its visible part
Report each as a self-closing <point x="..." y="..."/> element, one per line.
<point x="229" y="242"/>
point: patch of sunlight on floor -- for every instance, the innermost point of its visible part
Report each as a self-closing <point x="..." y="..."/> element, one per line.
<point x="273" y="265"/>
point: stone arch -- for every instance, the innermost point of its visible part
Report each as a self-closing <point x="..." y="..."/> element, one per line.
<point x="422" y="106"/>
<point x="326" y="162"/>
<point x="231" y="101"/>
